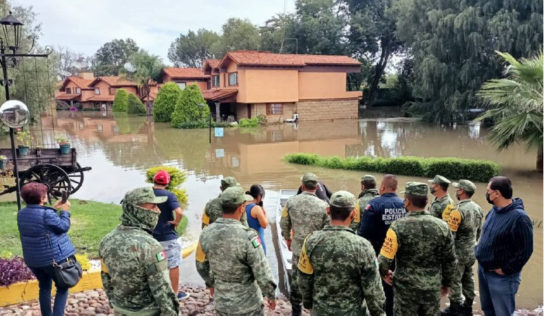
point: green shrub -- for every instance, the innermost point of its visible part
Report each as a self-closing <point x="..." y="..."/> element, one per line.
<point x="249" y="122"/>
<point x="120" y="102"/>
<point x="190" y="107"/>
<point x="135" y="106"/>
<point x="452" y="168"/>
<point x="165" y="102"/>
<point x="193" y="124"/>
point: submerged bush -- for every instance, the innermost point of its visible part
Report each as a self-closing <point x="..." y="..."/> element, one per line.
<point x="453" y="168"/>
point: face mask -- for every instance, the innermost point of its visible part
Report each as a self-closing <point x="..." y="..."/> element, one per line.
<point x="488" y="199"/>
<point x="432" y="190"/>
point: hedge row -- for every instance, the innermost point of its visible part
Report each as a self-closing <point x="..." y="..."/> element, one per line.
<point x="451" y="168"/>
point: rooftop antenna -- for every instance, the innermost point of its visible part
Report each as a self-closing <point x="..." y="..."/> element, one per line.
<point x="283" y="33"/>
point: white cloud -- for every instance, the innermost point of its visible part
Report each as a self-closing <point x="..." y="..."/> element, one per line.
<point x="84" y="26"/>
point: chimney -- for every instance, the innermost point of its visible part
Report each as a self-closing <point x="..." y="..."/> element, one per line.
<point x="86" y="75"/>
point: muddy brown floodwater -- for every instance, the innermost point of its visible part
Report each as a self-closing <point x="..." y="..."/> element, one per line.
<point x="120" y="148"/>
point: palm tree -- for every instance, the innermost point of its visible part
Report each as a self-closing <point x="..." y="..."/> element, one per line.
<point x="516" y="104"/>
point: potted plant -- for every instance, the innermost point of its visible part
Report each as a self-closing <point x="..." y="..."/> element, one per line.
<point x="3" y="162"/>
<point x="64" y="145"/>
<point x="24" y="139"/>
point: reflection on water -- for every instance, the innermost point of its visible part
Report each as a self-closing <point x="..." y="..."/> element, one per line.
<point x="120" y="148"/>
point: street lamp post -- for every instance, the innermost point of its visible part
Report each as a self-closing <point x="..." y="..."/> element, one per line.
<point x="201" y="105"/>
<point x="13" y="113"/>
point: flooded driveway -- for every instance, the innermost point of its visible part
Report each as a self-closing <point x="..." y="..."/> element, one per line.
<point x="120" y="148"/>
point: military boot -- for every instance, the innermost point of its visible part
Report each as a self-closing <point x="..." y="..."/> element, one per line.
<point x="296" y="310"/>
<point x="455" y="309"/>
<point x="467" y="308"/>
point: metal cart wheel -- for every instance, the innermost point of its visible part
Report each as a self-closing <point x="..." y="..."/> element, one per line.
<point x="76" y="178"/>
<point x="56" y="179"/>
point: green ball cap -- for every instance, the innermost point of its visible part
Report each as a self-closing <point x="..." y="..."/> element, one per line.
<point x="234" y="196"/>
<point x="368" y="177"/>
<point x="342" y="199"/>
<point x="416" y="189"/>
<point x="143" y="195"/>
<point x="438" y="179"/>
<point x="465" y="185"/>
<point x="229" y="182"/>
<point x="309" y="178"/>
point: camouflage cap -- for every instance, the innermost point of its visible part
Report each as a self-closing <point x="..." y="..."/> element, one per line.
<point x="342" y="199"/>
<point x="309" y="178"/>
<point x="143" y="195"/>
<point x="234" y="196"/>
<point x="229" y="182"/>
<point x="465" y="185"/>
<point x="438" y="179"/>
<point x="368" y="177"/>
<point x="416" y="189"/>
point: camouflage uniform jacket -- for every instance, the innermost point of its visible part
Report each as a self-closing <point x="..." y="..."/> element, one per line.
<point x="338" y="272"/>
<point x="230" y="258"/>
<point x="364" y="198"/>
<point x="214" y="210"/>
<point x="303" y="213"/>
<point x="135" y="268"/>
<point x="442" y="207"/>
<point x="422" y="247"/>
<point x="466" y="223"/>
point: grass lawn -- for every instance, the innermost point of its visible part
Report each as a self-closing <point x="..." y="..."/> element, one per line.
<point x="90" y="222"/>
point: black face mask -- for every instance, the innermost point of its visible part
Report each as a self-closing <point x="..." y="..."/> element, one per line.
<point x="457" y="197"/>
<point x="488" y="199"/>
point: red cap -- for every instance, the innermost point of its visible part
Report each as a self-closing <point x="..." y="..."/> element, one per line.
<point x="162" y="177"/>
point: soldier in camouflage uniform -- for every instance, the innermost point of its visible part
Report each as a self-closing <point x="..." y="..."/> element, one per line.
<point x="303" y="214"/>
<point x="368" y="192"/>
<point x="442" y="204"/>
<point x="213" y="209"/>
<point x="465" y="223"/>
<point x="134" y="266"/>
<point x="422" y="247"/>
<point x="231" y="261"/>
<point x="337" y="268"/>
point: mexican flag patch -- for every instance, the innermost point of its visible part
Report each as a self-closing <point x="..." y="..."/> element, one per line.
<point x="256" y="242"/>
<point x="161" y="256"/>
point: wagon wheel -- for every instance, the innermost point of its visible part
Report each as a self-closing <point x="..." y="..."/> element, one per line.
<point x="76" y="179"/>
<point x="56" y="179"/>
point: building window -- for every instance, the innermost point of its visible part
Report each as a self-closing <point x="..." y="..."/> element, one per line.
<point x="78" y="90"/>
<point x="68" y="91"/>
<point x="216" y="80"/>
<point x="233" y="79"/>
<point x="96" y="90"/>
<point x="181" y="85"/>
<point x="274" y="109"/>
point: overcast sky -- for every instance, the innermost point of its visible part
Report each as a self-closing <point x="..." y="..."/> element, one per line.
<point x="84" y="26"/>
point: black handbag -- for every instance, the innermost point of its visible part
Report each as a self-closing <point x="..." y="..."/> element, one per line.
<point x="68" y="273"/>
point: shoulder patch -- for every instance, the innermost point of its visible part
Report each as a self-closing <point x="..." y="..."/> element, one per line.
<point x="454" y="220"/>
<point x="205" y="218"/>
<point x="446" y="212"/>
<point x="357" y="218"/>
<point x="368" y="206"/>
<point x="200" y="255"/>
<point x="304" y="264"/>
<point x="256" y="242"/>
<point x="161" y="256"/>
<point x="284" y="213"/>
<point x="390" y="245"/>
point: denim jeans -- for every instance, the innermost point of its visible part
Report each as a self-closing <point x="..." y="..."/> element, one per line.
<point x="45" y="277"/>
<point x="498" y="292"/>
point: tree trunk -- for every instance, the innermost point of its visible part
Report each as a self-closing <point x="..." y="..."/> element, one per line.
<point x="378" y="72"/>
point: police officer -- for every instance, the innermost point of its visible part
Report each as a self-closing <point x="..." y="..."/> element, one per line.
<point x="442" y="204"/>
<point x="368" y="192"/>
<point x="134" y="265"/>
<point x="231" y="260"/>
<point x="422" y="247"/>
<point x="337" y="268"/>
<point x="303" y="214"/>
<point x="213" y="210"/>
<point x="465" y="222"/>
<point x="378" y="215"/>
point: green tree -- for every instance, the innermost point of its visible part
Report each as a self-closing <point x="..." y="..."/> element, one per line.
<point x="372" y="38"/>
<point x="191" y="49"/>
<point x="110" y="59"/>
<point x="516" y="103"/>
<point x="135" y="106"/>
<point x="452" y="44"/>
<point x="276" y="32"/>
<point x="120" y="102"/>
<point x="165" y="103"/>
<point x="237" y="34"/>
<point x="191" y="107"/>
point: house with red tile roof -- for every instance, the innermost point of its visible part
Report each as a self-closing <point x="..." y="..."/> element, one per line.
<point x="246" y="84"/>
<point x="87" y="92"/>
<point x="185" y="76"/>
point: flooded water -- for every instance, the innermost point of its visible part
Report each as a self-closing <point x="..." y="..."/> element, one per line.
<point x="120" y="148"/>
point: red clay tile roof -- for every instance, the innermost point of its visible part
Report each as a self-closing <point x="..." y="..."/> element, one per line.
<point x="114" y="81"/>
<point x="101" y="98"/>
<point x="185" y="73"/>
<point x="257" y="58"/>
<point x="80" y="82"/>
<point x="64" y="96"/>
<point x="212" y="63"/>
<point x="219" y="94"/>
